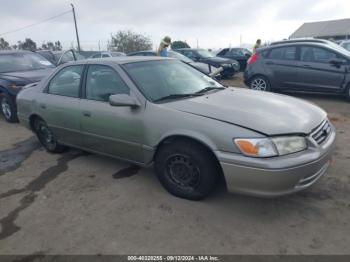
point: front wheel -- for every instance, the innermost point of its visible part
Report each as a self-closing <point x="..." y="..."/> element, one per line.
<point x="186" y="169"/>
<point x="260" y="83"/>
<point x="47" y="138"/>
<point x="8" y="108"/>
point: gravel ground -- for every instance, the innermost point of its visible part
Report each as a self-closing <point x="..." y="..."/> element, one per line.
<point x="79" y="203"/>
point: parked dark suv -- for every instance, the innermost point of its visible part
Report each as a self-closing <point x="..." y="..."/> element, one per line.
<point x="239" y="54"/>
<point x="300" y="66"/>
<point x="230" y="66"/>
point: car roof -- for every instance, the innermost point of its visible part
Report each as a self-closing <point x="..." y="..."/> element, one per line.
<point x="304" y="40"/>
<point x="320" y="44"/>
<point x="334" y="47"/>
<point x="121" y="60"/>
<point x="144" y="51"/>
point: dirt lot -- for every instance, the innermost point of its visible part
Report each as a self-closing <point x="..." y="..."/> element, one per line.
<point x="78" y="203"/>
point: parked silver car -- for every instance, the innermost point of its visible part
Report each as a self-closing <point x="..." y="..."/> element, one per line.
<point x="149" y="110"/>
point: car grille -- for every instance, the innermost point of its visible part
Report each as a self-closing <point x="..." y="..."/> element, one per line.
<point x="321" y="134"/>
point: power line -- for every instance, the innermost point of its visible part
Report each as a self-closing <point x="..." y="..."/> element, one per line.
<point x="38" y="23"/>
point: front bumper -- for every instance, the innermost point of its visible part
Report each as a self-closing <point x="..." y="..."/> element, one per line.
<point x="276" y="176"/>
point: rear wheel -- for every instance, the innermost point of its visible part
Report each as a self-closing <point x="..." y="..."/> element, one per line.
<point x="260" y="83"/>
<point x="186" y="169"/>
<point x="46" y="137"/>
<point x="8" y="108"/>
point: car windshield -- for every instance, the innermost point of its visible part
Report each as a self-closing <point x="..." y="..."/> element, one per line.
<point x="179" y="56"/>
<point x="205" y="54"/>
<point x="23" y="62"/>
<point x="159" y="79"/>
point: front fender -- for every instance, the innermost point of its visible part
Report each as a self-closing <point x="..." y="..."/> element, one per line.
<point x="199" y="137"/>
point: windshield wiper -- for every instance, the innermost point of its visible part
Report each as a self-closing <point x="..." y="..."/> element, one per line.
<point x="175" y="96"/>
<point x="209" y="88"/>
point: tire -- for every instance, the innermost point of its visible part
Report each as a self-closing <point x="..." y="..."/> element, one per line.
<point x="259" y="83"/>
<point x="47" y="138"/>
<point x="186" y="169"/>
<point x="8" y="108"/>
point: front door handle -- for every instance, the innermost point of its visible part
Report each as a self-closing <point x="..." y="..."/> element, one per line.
<point x="306" y="66"/>
<point x="42" y="106"/>
<point x="270" y="63"/>
<point x="87" y="113"/>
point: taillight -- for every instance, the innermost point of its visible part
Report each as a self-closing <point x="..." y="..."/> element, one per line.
<point x="253" y="59"/>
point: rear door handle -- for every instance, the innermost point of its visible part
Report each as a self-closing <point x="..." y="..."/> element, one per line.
<point x="306" y="66"/>
<point x="270" y="63"/>
<point x="87" y="113"/>
<point x="43" y="106"/>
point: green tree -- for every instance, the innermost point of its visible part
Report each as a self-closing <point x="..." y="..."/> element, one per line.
<point x="28" y="44"/>
<point x="4" y="45"/>
<point x="179" y="44"/>
<point x="128" y="41"/>
<point x="52" y="46"/>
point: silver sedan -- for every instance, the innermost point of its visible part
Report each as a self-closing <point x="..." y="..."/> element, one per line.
<point x="159" y="111"/>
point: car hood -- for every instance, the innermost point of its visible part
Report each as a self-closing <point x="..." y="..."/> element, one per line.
<point x="26" y="77"/>
<point x="266" y="113"/>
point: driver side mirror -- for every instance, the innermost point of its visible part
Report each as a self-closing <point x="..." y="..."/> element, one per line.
<point x="123" y="100"/>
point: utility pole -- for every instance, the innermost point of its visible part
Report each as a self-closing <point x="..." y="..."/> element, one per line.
<point x="76" y="27"/>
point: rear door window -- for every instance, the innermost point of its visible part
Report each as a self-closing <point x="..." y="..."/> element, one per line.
<point x="66" y="82"/>
<point x="283" y="53"/>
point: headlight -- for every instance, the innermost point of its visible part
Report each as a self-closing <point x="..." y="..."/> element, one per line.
<point x="257" y="147"/>
<point x="289" y="145"/>
<point x="266" y="147"/>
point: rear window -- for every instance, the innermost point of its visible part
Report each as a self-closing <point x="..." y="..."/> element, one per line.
<point x="283" y="53"/>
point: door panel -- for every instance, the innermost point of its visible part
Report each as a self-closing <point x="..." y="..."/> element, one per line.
<point x="281" y="63"/>
<point x="315" y="73"/>
<point x="60" y="104"/>
<point x="112" y="130"/>
<point x="62" y="114"/>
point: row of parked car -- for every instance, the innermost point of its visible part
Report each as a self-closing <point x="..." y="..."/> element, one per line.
<point x="304" y="65"/>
